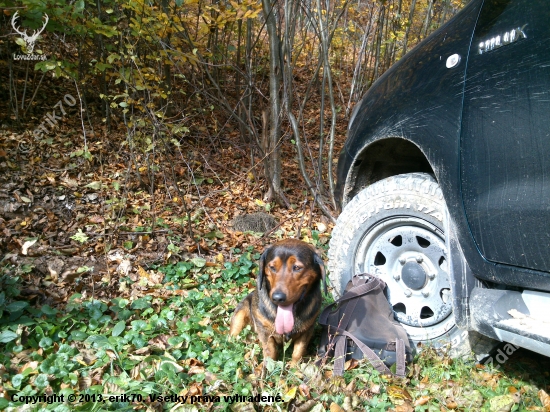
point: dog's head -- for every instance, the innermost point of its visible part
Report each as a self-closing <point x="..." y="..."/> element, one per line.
<point x="291" y="267"/>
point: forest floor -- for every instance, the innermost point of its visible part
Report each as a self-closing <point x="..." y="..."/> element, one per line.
<point x="104" y="291"/>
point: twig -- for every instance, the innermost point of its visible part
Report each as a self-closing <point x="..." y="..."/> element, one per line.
<point x="311" y="212"/>
<point x="81" y="117"/>
<point x="299" y="227"/>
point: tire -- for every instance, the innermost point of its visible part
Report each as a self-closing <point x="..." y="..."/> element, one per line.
<point x="394" y="229"/>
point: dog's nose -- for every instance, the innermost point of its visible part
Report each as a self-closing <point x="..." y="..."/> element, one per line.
<point x="278" y="297"/>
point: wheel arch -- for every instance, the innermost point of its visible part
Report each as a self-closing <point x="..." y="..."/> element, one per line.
<point x="382" y="158"/>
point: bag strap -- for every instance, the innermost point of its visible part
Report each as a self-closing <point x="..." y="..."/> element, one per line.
<point x="367" y="352"/>
<point x="400" y="357"/>
<point x="374" y="359"/>
<point x="340" y="341"/>
<point x="340" y="349"/>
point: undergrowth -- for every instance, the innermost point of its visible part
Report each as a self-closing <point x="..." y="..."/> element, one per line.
<point x="173" y="343"/>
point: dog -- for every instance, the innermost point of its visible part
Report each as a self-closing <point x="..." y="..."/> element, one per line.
<point x="287" y="299"/>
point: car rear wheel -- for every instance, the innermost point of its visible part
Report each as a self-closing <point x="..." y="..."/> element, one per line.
<point x="394" y="230"/>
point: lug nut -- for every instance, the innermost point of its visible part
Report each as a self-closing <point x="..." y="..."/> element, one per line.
<point x="402" y="260"/>
<point x="408" y="293"/>
<point x="431" y="276"/>
<point x="396" y="276"/>
<point x="419" y="259"/>
<point x="425" y="293"/>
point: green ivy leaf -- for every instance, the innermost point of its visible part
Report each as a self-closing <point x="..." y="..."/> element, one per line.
<point x="93" y="324"/>
<point x="7" y="336"/>
<point x="16" y="306"/>
<point x="78" y="335"/>
<point x="80" y="236"/>
<point x="45" y="66"/>
<point x="45" y="342"/>
<point x="138" y="325"/>
<point x="41" y="380"/>
<point x="119" y="328"/>
<point x="214" y="234"/>
<point x="198" y="262"/>
<point x="141" y="303"/>
<point x="17" y="380"/>
<point x="48" y="310"/>
<point x="48" y="366"/>
<point x="102" y="66"/>
<point x="99" y="341"/>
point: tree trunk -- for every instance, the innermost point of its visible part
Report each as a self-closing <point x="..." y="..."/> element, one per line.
<point x="427" y="21"/>
<point x="378" y="44"/>
<point x="272" y="141"/>
<point x="410" y="23"/>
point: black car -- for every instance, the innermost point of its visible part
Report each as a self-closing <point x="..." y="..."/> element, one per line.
<point x="444" y="181"/>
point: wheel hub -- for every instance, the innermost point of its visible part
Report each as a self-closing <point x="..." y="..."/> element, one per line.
<point x="413" y="275"/>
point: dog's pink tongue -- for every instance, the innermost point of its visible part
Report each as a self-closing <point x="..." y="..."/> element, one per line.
<point x="284" y="322"/>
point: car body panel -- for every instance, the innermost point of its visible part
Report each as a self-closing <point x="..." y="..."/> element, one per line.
<point x="505" y="143"/>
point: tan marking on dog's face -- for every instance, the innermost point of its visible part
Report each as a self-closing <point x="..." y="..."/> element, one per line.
<point x="291" y="277"/>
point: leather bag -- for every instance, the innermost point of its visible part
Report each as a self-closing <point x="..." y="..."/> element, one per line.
<point x="362" y="324"/>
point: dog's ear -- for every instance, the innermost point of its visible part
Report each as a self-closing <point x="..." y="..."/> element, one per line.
<point x="321" y="264"/>
<point x="261" y="269"/>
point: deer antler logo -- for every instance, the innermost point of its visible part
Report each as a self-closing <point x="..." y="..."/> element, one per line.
<point x="29" y="40"/>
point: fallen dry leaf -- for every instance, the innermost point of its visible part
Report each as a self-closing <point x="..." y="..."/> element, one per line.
<point x="68" y="182"/>
<point x="504" y="403"/>
<point x="84" y="382"/>
<point x="194" y="370"/>
<point x="404" y="407"/>
<point x="159" y="342"/>
<point x="423" y="400"/>
<point x="194" y="390"/>
<point x="27" y="245"/>
<point x="396" y="392"/>
<point x="307" y="406"/>
<point x="290" y="394"/>
<point x="334" y="407"/>
<point x="29" y="365"/>
<point x="96" y="219"/>
<point x="351" y="364"/>
<point x="124" y="267"/>
<point x="375" y="388"/>
<point x="304" y="390"/>
<point x="545" y="400"/>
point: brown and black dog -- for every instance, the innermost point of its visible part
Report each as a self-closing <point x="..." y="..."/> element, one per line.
<point x="287" y="299"/>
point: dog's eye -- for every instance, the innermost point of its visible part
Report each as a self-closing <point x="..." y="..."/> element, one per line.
<point x="296" y="268"/>
<point x="272" y="268"/>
